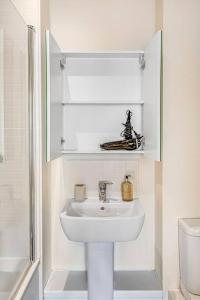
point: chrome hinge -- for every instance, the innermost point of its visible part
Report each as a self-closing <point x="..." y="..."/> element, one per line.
<point x="142" y="61"/>
<point x="62" y="140"/>
<point x="63" y="63"/>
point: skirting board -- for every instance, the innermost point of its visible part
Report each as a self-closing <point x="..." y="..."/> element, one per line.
<point x="129" y="285"/>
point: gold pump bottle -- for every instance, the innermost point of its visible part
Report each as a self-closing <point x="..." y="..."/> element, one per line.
<point x="127" y="189"/>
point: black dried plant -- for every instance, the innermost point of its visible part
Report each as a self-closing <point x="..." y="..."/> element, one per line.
<point x="129" y="142"/>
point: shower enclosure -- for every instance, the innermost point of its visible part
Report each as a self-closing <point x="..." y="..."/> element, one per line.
<point x="16" y="149"/>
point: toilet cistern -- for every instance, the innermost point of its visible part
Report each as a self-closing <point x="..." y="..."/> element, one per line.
<point x="102" y="190"/>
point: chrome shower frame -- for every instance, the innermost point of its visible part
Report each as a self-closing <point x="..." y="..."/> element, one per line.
<point x="32" y="140"/>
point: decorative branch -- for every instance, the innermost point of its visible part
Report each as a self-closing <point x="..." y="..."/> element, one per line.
<point x="130" y="142"/>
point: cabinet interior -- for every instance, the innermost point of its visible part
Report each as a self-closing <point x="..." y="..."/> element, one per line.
<point x="89" y="94"/>
<point x="98" y="89"/>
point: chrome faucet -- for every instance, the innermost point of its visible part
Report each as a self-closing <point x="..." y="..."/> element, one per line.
<point x="102" y="190"/>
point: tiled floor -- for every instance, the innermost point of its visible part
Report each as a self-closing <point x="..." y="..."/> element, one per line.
<point x="123" y="280"/>
<point x="138" y="284"/>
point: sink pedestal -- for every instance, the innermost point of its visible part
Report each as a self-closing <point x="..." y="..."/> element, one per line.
<point x="100" y="269"/>
<point x="98" y="225"/>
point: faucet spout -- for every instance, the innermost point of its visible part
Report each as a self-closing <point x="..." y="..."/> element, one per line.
<point x="102" y="190"/>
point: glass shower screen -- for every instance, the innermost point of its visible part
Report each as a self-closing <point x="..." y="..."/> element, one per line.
<point x="15" y="202"/>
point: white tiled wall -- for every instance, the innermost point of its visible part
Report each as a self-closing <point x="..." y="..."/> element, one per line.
<point x="14" y="193"/>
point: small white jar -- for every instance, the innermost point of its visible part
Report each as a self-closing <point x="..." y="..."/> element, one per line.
<point x="79" y="192"/>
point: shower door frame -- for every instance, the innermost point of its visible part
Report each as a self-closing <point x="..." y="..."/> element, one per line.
<point x="35" y="170"/>
<point x="34" y="265"/>
<point x="32" y="156"/>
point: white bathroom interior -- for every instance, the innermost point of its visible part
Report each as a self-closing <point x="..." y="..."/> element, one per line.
<point x="94" y="61"/>
<point x="87" y="100"/>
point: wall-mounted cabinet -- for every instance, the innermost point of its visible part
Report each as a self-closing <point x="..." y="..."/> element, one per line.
<point x="89" y="93"/>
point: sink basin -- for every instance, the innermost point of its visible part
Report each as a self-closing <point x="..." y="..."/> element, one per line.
<point x="94" y="221"/>
<point x="99" y="225"/>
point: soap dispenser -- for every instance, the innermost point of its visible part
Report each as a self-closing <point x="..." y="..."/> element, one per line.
<point x="127" y="189"/>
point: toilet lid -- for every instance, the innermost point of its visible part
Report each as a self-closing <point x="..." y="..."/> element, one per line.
<point x="190" y="226"/>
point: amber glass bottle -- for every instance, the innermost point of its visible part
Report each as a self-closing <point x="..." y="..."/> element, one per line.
<point x="127" y="189"/>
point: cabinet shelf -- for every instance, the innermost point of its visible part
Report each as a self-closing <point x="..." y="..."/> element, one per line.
<point x="103" y="152"/>
<point x="103" y="103"/>
<point x="104" y="54"/>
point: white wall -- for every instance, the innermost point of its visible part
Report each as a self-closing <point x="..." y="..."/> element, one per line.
<point x="158" y="219"/>
<point x="102" y="24"/>
<point x="97" y="25"/>
<point x="46" y="168"/>
<point x="29" y="10"/>
<point x="181" y="124"/>
<point x="158" y="169"/>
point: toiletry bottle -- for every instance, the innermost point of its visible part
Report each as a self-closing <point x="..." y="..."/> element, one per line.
<point x="127" y="189"/>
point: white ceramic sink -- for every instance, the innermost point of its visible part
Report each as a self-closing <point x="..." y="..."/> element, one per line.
<point x="94" y="221"/>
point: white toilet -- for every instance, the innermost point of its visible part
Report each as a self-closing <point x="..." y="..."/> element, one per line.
<point x="189" y="251"/>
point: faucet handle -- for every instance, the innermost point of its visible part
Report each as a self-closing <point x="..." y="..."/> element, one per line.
<point x="105" y="182"/>
<point x="108" y="182"/>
